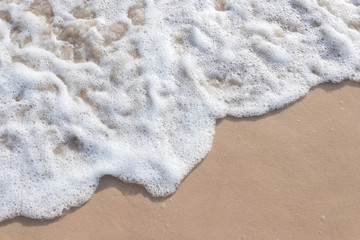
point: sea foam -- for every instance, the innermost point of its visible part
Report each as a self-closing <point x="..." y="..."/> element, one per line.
<point x="133" y="88"/>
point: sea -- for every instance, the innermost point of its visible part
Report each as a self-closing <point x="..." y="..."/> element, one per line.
<point x="133" y="88"/>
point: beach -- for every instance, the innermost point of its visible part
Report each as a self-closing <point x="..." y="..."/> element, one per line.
<point x="292" y="173"/>
<point x="204" y="104"/>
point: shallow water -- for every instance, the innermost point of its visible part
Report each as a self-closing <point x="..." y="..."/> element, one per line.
<point x="133" y="88"/>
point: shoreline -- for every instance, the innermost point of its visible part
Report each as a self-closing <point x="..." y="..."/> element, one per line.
<point x="255" y="183"/>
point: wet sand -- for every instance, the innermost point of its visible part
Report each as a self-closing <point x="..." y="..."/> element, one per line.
<point x="293" y="173"/>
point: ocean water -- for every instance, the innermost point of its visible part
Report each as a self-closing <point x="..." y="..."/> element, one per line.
<point x="133" y="88"/>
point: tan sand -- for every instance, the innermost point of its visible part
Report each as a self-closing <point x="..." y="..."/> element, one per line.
<point x="291" y="174"/>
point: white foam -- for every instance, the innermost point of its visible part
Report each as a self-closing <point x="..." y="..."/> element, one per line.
<point x="133" y="88"/>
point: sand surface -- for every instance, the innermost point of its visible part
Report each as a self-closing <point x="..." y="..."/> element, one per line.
<point x="291" y="174"/>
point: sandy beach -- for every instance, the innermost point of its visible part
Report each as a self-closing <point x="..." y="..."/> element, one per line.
<point x="290" y="174"/>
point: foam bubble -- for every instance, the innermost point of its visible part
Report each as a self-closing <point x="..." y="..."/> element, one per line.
<point x="133" y="88"/>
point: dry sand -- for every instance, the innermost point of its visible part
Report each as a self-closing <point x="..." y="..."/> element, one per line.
<point x="291" y="174"/>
